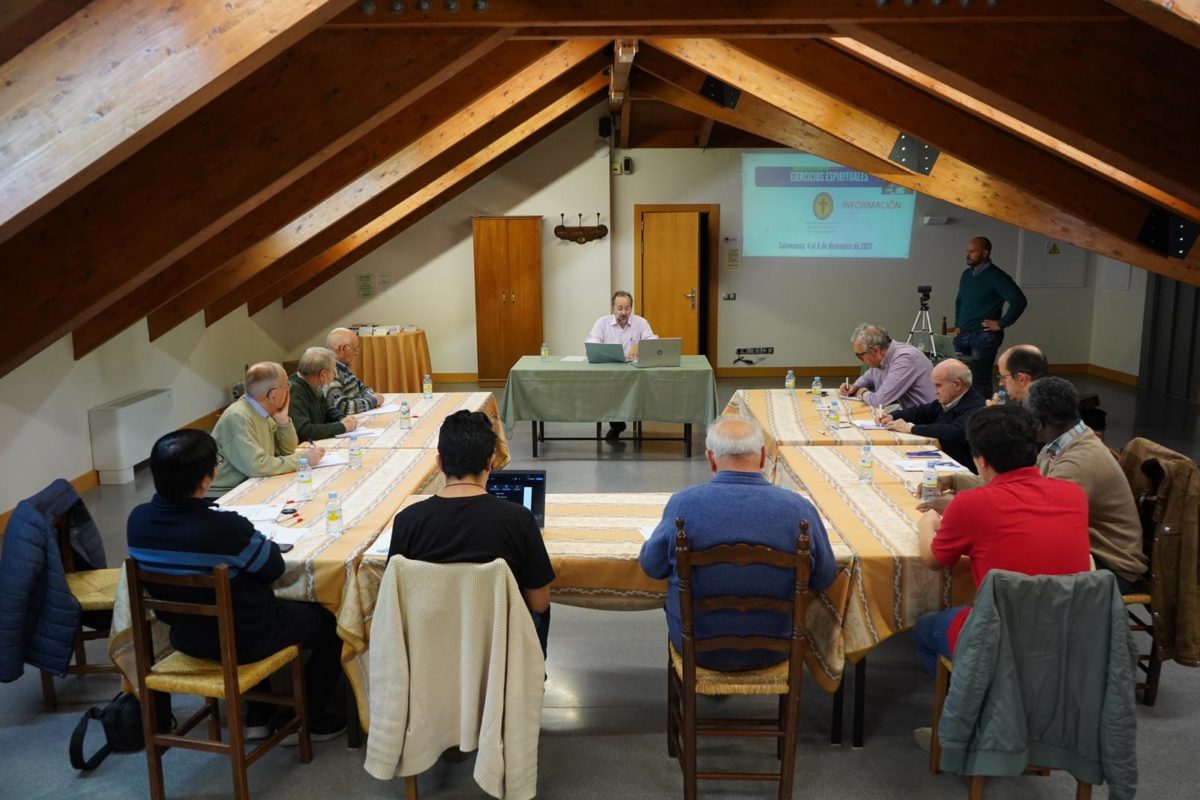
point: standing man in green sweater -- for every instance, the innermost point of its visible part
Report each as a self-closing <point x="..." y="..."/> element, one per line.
<point x="983" y="290"/>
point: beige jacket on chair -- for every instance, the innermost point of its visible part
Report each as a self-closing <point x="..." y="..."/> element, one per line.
<point x="455" y="662"/>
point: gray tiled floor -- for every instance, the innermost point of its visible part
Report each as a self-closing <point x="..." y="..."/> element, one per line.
<point x="603" y="720"/>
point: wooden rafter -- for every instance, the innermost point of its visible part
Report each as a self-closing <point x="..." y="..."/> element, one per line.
<point x="118" y="74"/>
<point x="624" y="51"/>
<point x="1179" y="18"/>
<point x="23" y="22"/>
<point x="726" y="30"/>
<point x="705" y="133"/>
<point x="367" y="152"/>
<point x="292" y="241"/>
<point x="626" y="120"/>
<point x="1052" y="83"/>
<point x="961" y="185"/>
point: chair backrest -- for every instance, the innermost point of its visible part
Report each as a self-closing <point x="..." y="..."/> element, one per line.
<point x="139" y="578"/>
<point x="742" y="555"/>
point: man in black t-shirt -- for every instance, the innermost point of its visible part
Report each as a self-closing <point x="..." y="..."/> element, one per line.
<point x="463" y="523"/>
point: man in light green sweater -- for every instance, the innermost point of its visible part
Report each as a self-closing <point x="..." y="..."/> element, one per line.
<point x="255" y="436"/>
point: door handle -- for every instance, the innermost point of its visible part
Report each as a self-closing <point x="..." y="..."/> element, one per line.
<point x="692" y="296"/>
<point x="514" y="298"/>
<point x="504" y="297"/>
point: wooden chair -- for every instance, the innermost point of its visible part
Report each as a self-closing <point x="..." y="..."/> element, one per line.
<point x="685" y="679"/>
<point x="214" y="680"/>
<point x="1083" y="791"/>
<point x="95" y="590"/>
<point x="1139" y="605"/>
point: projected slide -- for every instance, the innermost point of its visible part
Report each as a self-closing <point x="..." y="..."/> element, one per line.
<point x="799" y="206"/>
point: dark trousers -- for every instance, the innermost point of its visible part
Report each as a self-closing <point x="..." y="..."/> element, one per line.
<point x="931" y="635"/>
<point x="1125" y="586"/>
<point x="314" y="628"/>
<point x="541" y="624"/>
<point x="981" y="347"/>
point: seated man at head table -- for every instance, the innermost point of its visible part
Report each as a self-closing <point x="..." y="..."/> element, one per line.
<point x="312" y="413"/>
<point x="1019" y="365"/>
<point x="347" y="393"/>
<point x="898" y="372"/>
<point x="738" y="506"/>
<point x="255" y="435"/>
<point x="181" y="531"/>
<point x="946" y="417"/>
<point x="1072" y="452"/>
<point x="463" y="523"/>
<point x="622" y="327"/>
<point x="1019" y="521"/>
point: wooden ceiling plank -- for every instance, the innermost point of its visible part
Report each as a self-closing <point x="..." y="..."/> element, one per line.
<point x="974" y="191"/>
<point x="624" y="51"/>
<point x="23" y="22"/>
<point x="1052" y="82"/>
<point x="371" y="240"/>
<point x="545" y="13"/>
<point x="118" y="74"/>
<point x="725" y="30"/>
<point x="1178" y="18"/>
<point x="626" y="120"/>
<point x="368" y="151"/>
<point x="369" y="186"/>
<point x="705" y="133"/>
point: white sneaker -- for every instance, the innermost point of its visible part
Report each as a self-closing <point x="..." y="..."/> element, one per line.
<point x="924" y="737"/>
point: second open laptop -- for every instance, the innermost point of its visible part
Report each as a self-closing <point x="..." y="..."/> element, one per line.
<point x="525" y="487"/>
<point x="659" y="353"/>
<point x="601" y="353"/>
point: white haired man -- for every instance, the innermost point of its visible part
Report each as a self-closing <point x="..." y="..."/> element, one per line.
<point x="312" y="413"/>
<point x="347" y="393"/>
<point x="945" y="419"/>
<point x="738" y="505"/>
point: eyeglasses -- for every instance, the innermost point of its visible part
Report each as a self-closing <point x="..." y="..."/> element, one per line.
<point x="220" y="459"/>
<point x="1004" y="376"/>
<point x="859" y="354"/>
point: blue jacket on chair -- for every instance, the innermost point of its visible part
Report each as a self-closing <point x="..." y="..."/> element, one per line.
<point x="39" y="616"/>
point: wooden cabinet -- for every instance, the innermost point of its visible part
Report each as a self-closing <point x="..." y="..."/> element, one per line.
<point x="508" y="293"/>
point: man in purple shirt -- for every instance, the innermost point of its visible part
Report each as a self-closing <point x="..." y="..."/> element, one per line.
<point x="898" y="372"/>
<point x="626" y="328"/>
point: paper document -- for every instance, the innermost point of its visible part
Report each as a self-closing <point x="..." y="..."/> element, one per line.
<point x="333" y="458"/>
<point x="573" y="358"/>
<point x="281" y="534"/>
<point x="381" y="545"/>
<point x="265" y="512"/>
<point x="868" y="425"/>
<point x="647" y="531"/>
<point x="361" y="433"/>
<point x="390" y="408"/>
<point x="946" y="465"/>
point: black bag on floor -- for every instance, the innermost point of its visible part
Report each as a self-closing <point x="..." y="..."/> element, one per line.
<point x="122" y="723"/>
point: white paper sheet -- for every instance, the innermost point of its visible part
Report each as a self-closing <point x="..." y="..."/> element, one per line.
<point x="390" y="408"/>
<point x="919" y="464"/>
<point x="647" y="531"/>
<point x="281" y="534"/>
<point x="868" y="425"/>
<point x="333" y="458"/>
<point x="382" y="544"/>
<point x="361" y="433"/>
<point x="573" y="358"/>
<point x="265" y="512"/>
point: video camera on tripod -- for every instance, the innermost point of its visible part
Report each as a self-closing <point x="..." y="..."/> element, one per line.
<point x="922" y="329"/>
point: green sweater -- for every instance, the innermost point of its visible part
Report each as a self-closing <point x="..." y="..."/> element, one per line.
<point x="254" y="446"/>
<point x="312" y="415"/>
<point x="982" y="296"/>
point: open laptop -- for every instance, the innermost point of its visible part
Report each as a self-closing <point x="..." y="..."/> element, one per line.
<point x="659" y="353"/>
<point x="601" y="353"/>
<point x="924" y="341"/>
<point x="524" y="486"/>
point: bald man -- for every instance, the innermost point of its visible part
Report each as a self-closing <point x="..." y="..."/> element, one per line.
<point x="945" y="419"/>
<point x="1020" y="365"/>
<point x="983" y="289"/>
<point x="347" y="394"/>
<point x="255" y="436"/>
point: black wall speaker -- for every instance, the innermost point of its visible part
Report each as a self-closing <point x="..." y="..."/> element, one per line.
<point x="605" y="127"/>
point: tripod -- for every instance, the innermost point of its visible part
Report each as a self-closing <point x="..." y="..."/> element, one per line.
<point x="921" y="324"/>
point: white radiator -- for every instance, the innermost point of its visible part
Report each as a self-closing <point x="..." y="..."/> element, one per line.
<point x="124" y="430"/>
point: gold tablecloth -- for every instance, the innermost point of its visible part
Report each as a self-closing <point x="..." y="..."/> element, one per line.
<point x="427" y="418"/>
<point x="873" y="527"/>
<point x="396" y="362"/>
<point x="319" y="568"/>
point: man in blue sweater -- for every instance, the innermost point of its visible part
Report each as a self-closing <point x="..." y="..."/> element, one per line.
<point x="737" y="506"/>
<point x="979" y="312"/>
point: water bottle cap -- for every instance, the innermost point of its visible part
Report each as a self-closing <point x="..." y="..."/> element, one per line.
<point x="333" y="495"/>
<point x="304" y="462"/>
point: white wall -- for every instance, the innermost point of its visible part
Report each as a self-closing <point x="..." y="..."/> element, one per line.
<point x="1117" y="320"/>
<point x="431" y="265"/>
<point x="44" y="402"/>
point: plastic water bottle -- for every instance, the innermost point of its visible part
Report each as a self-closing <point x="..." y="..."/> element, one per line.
<point x="304" y="483"/>
<point x="816" y="386"/>
<point x="844" y="409"/>
<point x="545" y="352"/>
<point x="427" y="385"/>
<point x="356" y="453"/>
<point x="866" y="464"/>
<point x="929" y="484"/>
<point x="789" y="380"/>
<point x="333" y="515"/>
<point x="405" y="416"/>
<point x="833" y="415"/>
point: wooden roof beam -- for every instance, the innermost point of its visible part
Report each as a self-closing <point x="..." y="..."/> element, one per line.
<point x="301" y="232"/>
<point x="1128" y="118"/>
<point x="118" y="74"/>
<point x="724" y="30"/>
<point x="23" y="22"/>
<point x="372" y="148"/>
<point x="781" y="116"/>
<point x="624" y="51"/>
<point x="1178" y="18"/>
<point x="705" y="133"/>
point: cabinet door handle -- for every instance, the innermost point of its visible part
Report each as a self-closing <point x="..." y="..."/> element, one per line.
<point x="504" y="297"/>
<point x="514" y="298"/>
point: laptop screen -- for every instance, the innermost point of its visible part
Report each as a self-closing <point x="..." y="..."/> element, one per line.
<point x="527" y="487"/>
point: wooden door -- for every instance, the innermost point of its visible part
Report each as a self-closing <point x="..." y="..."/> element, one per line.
<point x="508" y="293"/>
<point x="670" y="289"/>
<point x="524" y="287"/>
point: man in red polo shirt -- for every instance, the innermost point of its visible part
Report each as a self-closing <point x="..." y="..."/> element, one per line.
<point x="1020" y="521"/>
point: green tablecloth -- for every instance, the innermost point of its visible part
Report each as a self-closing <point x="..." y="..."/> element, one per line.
<point x="574" y="391"/>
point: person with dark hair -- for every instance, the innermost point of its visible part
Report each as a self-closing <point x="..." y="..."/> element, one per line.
<point x="1074" y="453"/>
<point x="946" y="417"/>
<point x="463" y="523"/>
<point x="1019" y="365"/>
<point x="1020" y="521"/>
<point x="626" y="328"/>
<point x="181" y="532"/>
<point x="979" y="315"/>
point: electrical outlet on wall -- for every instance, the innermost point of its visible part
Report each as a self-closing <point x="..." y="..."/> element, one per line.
<point x="729" y="295"/>
<point x="615" y="166"/>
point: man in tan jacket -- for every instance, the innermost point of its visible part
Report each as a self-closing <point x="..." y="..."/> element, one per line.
<point x="1072" y="452"/>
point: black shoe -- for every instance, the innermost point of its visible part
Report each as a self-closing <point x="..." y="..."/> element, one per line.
<point x="259" y="721"/>
<point x="615" y="429"/>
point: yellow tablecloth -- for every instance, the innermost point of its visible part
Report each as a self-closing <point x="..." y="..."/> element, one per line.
<point x="873" y="527"/>
<point x="427" y="418"/>
<point x="319" y="568"/>
<point x="394" y="363"/>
